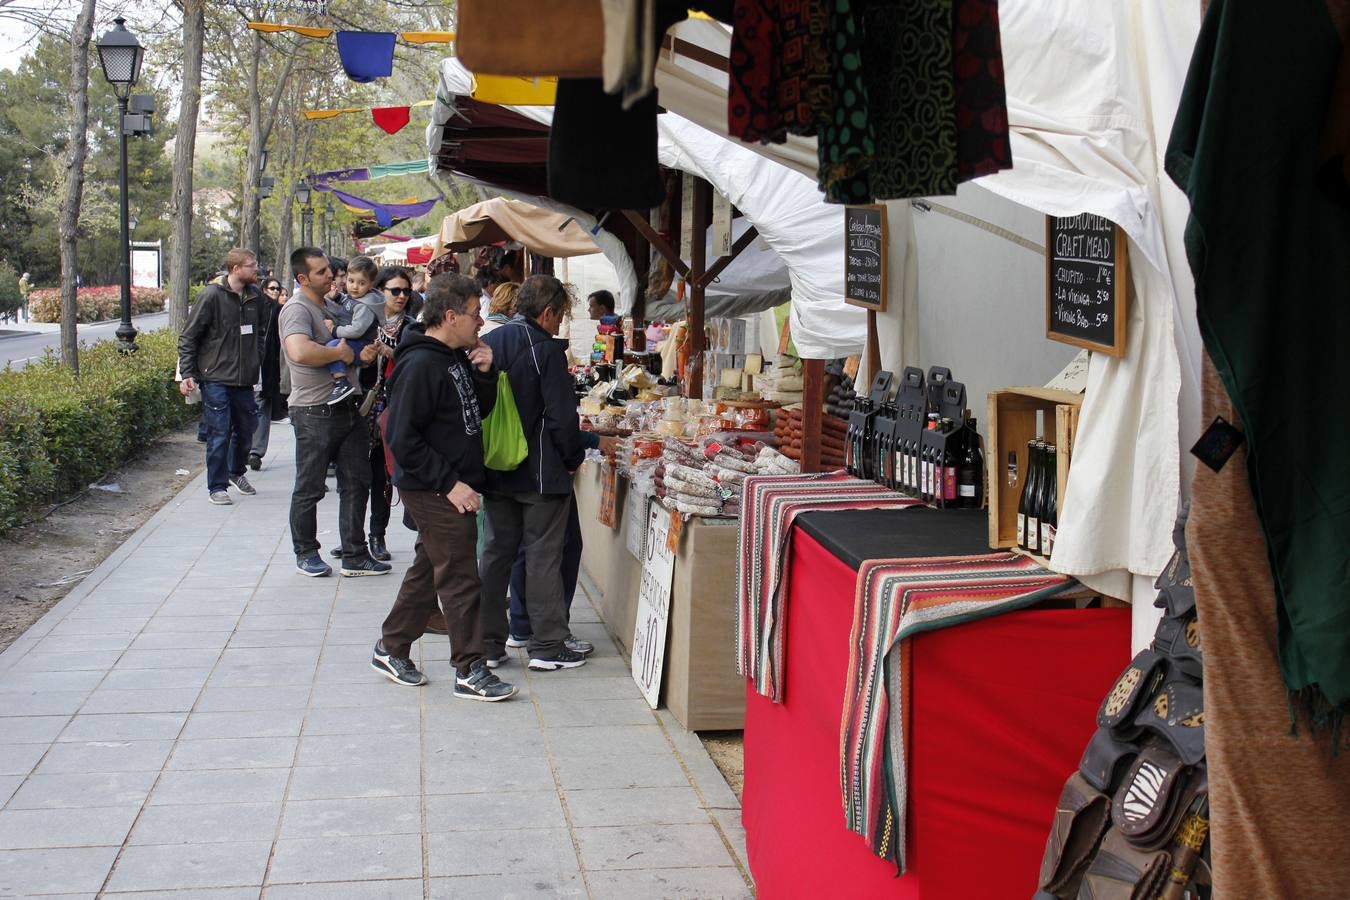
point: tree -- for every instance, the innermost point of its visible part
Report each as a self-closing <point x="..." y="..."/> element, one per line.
<point x="70" y="205"/>
<point x="184" y="151"/>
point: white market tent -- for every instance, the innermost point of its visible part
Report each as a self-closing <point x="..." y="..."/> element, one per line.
<point x="1091" y="95"/>
<point x="396" y="254"/>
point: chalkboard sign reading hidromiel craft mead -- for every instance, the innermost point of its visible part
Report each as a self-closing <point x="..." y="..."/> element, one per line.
<point x="1087" y="274"/>
<point x="865" y="256"/>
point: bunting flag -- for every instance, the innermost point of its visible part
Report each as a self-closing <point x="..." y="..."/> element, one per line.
<point x="369" y="228"/>
<point x="362" y="211"/>
<point x="366" y="55"/>
<point x="515" y="90"/>
<point x="318" y="34"/>
<point x="411" y="167"/>
<point x="385" y="213"/>
<point x="321" y="180"/>
<point x="333" y="113"/>
<point x="391" y="119"/>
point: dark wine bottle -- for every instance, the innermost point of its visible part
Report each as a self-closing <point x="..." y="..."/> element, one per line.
<point x="1050" y="509"/>
<point x="970" y="473"/>
<point x="1024" y="500"/>
<point x="948" y="466"/>
<point x="1035" y="499"/>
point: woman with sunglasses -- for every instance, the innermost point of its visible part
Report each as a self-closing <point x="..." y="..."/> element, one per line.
<point x="396" y="284"/>
<point x="271" y="400"/>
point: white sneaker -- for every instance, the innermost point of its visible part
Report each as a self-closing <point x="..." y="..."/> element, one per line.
<point x="516" y="643"/>
<point x="494" y="663"/>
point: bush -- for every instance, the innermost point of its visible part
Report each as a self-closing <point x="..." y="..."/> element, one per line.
<point x="94" y="304"/>
<point x="10" y="298"/>
<point x="58" y="432"/>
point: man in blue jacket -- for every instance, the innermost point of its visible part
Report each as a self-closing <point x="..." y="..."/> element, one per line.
<point x="529" y="506"/>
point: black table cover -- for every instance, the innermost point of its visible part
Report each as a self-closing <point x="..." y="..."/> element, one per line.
<point x="854" y="535"/>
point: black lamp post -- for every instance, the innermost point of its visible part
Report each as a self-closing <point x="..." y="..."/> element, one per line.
<point x="330" y="227"/>
<point x="120" y="55"/>
<point x="306" y="214"/>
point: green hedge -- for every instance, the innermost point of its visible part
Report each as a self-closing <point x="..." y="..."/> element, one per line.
<point x="58" y="433"/>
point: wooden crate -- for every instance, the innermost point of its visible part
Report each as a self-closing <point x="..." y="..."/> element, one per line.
<point x="1012" y="422"/>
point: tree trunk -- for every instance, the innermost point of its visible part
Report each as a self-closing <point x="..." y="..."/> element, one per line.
<point x="248" y="212"/>
<point x="184" y="149"/>
<point x="69" y="221"/>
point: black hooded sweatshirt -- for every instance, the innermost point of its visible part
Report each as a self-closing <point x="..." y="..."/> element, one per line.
<point x="437" y="401"/>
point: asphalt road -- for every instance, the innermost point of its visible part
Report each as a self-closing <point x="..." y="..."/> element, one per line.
<point x="18" y="350"/>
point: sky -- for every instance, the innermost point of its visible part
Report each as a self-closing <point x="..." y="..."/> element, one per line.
<point x="16" y="42"/>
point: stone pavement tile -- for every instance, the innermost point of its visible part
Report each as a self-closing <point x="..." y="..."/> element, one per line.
<point x="508" y="887"/>
<point x="571" y="713"/>
<point x="729" y="821"/>
<point x="105" y="756"/>
<point x="32" y="729"/>
<point x="350" y="665"/>
<point x="170" y="658"/>
<point x="214" y="603"/>
<point x="206" y="823"/>
<point x="120" y="679"/>
<point x="77" y="791"/>
<point x="272" y="619"/>
<point x="251" y="724"/>
<point x="636" y="806"/>
<point x="616" y="740"/>
<point x="378" y="692"/>
<point x="174" y="641"/>
<point x="596" y="667"/>
<point x="494" y="810"/>
<point x="225" y="698"/>
<point x="359" y="857"/>
<point x="522" y="738"/>
<point x="8" y="785"/>
<point x="93" y="628"/>
<point x="284" y="602"/>
<point x="352" y="816"/>
<point x="526" y="773"/>
<point x="507" y="852"/>
<point x="238" y="657"/>
<point x="289" y="637"/>
<point x="223" y="786"/>
<point x="357" y="749"/>
<point x="30" y="829"/>
<point x="64" y="643"/>
<point x="338" y="782"/>
<point x="70" y="660"/>
<point x="386" y="722"/>
<point x="717" y="794"/>
<point x="353" y="636"/>
<point x="234" y="753"/>
<point x="24" y="682"/>
<point x="724" y="883"/>
<point x="173" y="699"/>
<point x="179" y="866"/>
<point x="245" y="893"/>
<point x="78" y="869"/>
<point x="257" y="675"/>
<point x="19" y="759"/>
<point x="44" y="703"/>
<point x="652" y="847"/>
<point x="609" y="687"/>
<point x="400" y="889"/>
<point x="620" y="771"/>
<point x="190" y="625"/>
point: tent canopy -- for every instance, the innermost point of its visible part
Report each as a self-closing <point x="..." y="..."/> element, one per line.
<point x="495" y="221"/>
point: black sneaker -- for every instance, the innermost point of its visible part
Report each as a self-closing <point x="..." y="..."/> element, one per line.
<point x="313" y="566"/>
<point x="378" y="549"/>
<point x="481" y="684"/>
<point x="336" y="552"/>
<point x="562" y="658"/>
<point x="397" y="669"/>
<point x="357" y="568"/>
<point x="342" y="389"/>
<point x="254" y="461"/>
<point x="577" y="645"/>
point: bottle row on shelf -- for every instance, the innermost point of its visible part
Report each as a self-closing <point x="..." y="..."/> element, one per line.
<point x="1038" y="505"/>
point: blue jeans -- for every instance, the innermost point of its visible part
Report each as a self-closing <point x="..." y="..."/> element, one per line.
<point x="229" y="410"/>
<point x="571" y="567"/>
<point x="357" y="345"/>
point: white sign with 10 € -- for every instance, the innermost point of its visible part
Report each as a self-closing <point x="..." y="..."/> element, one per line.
<point x="653" y="612"/>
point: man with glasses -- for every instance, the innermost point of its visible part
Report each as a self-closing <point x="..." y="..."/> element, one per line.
<point x="269" y="387"/>
<point x="219" y="350"/>
<point x="324" y="431"/>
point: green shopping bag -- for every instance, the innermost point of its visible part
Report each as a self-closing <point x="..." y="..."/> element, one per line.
<point x="504" y="446"/>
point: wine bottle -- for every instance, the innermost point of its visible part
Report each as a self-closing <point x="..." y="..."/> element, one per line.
<point x="948" y="466"/>
<point x="1034" y="500"/>
<point x="970" y="473"/>
<point x="1050" y="510"/>
<point x="1023" y="499"/>
<point x="898" y="450"/>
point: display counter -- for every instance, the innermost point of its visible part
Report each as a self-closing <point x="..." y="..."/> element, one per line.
<point x="1001" y="709"/>
<point x="699" y="684"/>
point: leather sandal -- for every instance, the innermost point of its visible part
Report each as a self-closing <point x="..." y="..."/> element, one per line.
<point x="1081" y="816"/>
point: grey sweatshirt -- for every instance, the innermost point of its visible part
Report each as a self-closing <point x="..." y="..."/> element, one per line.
<point x="366" y="312"/>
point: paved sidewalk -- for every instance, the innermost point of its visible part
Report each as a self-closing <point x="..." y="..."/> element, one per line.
<point x="198" y="720"/>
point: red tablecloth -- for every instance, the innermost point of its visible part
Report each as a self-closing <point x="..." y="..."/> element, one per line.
<point x="1001" y="711"/>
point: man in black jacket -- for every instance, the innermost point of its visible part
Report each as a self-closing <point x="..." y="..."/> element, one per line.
<point x="219" y="349"/>
<point x="442" y="386"/>
<point x="529" y="505"/>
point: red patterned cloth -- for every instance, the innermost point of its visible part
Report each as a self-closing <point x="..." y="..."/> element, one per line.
<point x="982" y="145"/>
<point x="752" y="113"/>
<point x="769" y="504"/>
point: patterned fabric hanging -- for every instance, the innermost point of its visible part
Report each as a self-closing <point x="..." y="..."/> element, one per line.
<point x="982" y="145"/>
<point x="752" y="70"/>
<point x="845" y="145"/>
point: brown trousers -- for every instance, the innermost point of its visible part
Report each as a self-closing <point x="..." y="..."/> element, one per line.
<point x="1279" y="804"/>
<point x="445" y="566"/>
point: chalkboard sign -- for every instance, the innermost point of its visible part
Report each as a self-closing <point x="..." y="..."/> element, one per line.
<point x="1087" y="274"/>
<point x="865" y="256"/>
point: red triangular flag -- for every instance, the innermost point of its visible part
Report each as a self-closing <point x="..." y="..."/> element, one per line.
<point x="390" y="118"/>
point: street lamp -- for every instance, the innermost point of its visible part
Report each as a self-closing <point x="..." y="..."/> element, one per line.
<point x="306" y="214"/>
<point x="330" y="227"/>
<point x="120" y="55"/>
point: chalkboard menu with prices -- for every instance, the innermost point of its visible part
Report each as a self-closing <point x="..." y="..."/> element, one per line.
<point x="865" y="256"/>
<point x="1087" y="276"/>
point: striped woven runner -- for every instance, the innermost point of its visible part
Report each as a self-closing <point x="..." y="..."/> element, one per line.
<point x="769" y="504"/>
<point x="894" y="600"/>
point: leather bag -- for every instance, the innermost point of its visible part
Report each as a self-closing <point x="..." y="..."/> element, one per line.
<point x="532" y="38"/>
